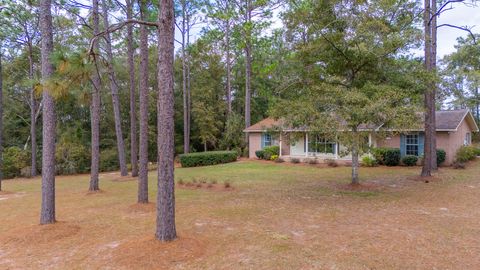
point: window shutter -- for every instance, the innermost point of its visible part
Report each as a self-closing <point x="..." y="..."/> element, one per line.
<point x="403" y="147"/>
<point x="421" y="143"/>
<point x="263" y="140"/>
<point x="304" y="142"/>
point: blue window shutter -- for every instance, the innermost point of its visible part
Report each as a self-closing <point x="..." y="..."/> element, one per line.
<point x="403" y="147"/>
<point x="263" y="140"/>
<point x="421" y="143"/>
<point x="305" y="142"/>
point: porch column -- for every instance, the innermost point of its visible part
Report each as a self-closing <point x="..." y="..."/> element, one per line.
<point x="280" y="145"/>
<point x="306" y="144"/>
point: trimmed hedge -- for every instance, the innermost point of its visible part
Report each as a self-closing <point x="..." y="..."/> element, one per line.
<point x="387" y="156"/>
<point x="409" y="160"/>
<point x="259" y="154"/>
<point x="369" y="161"/>
<point x="207" y="158"/>
<point x="441" y="156"/>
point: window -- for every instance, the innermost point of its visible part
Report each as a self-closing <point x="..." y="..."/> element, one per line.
<point x="267" y="140"/>
<point x="321" y="145"/>
<point x="468" y="138"/>
<point x="411" y="144"/>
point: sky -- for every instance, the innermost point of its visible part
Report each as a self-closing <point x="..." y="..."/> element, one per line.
<point x="461" y="15"/>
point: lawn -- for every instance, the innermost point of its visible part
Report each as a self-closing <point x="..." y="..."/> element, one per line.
<point x="276" y="216"/>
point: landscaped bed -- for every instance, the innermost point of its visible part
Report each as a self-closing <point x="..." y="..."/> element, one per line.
<point x="274" y="216"/>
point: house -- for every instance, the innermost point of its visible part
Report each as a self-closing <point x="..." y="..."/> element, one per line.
<point x="454" y="129"/>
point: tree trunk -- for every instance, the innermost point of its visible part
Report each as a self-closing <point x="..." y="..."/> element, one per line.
<point x="33" y="111"/>
<point x="229" y="67"/>
<point x="248" y="64"/>
<point x="49" y="119"/>
<point x="115" y="97"/>
<point x="165" y="229"/>
<point x="95" y="108"/>
<point x="186" y="123"/>
<point x="1" y="118"/>
<point x="429" y="98"/>
<point x="433" y="62"/>
<point x="133" y="113"/>
<point x="143" y="88"/>
<point x="355" y="160"/>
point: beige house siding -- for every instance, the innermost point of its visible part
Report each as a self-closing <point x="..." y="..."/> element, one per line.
<point x="254" y="143"/>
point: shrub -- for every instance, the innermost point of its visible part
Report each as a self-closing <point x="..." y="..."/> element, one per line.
<point x="331" y="162"/>
<point x="72" y="157"/>
<point x="259" y="154"/>
<point x="109" y="160"/>
<point x="466" y="153"/>
<point x="441" y="156"/>
<point x="207" y="158"/>
<point x="379" y="154"/>
<point x="313" y="161"/>
<point x="274" y="157"/>
<point x="369" y="161"/>
<point x="391" y="157"/>
<point x="14" y="160"/>
<point x="272" y="150"/>
<point x="295" y="160"/>
<point x="279" y="160"/>
<point x="409" y="160"/>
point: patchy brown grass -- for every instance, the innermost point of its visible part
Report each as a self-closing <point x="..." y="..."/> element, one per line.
<point x="279" y="217"/>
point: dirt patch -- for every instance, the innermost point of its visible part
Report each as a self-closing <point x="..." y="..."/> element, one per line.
<point x="95" y="192"/>
<point x="142" y="208"/>
<point x="40" y="234"/>
<point x="205" y="186"/>
<point x="149" y="253"/>
<point x="2" y="193"/>
<point x="124" y="179"/>
<point x="359" y="187"/>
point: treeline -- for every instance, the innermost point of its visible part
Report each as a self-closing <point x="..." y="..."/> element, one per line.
<point x="232" y="68"/>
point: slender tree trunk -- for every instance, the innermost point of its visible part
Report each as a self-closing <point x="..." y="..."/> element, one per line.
<point x="33" y="112"/>
<point x="229" y="67"/>
<point x="1" y="118"/>
<point x="433" y="63"/>
<point x="49" y="119"/>
<point x="477" y="107"/>
<point x="133" y="113"/>
<point x="165" y="229"/>
<point x="115" y="97"/>
<point x="429" y="98"/>
<point x="186" y="123"/>
<point x="355" y="160"/>
<point x="143" y="88"/>
<point x="248" y="64"/>
<point x="95" y="108"/>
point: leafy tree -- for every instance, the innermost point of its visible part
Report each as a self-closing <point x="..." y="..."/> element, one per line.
<point x="346" y="76"/>
<point x="462" y="74"/>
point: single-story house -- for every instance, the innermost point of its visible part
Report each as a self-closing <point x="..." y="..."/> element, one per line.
<point x="454" y="129"/>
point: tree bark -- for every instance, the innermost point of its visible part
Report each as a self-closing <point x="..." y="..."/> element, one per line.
<point x="186" y="122"/>
<point x="429" y="163"/>
<point x="1" y="119"/>
<point x="33" y="112"/>
<point x="49" y="119"/>
<point x="165" y="229"/>
<point x="229" y="67"/>
<point x="115" y="97"/>
<point x="355" y="160"/>
<point x="248" y="64"/>
<point x="433" y="62"/>
<point x="143" y="88"/>
<point x="133" y="113"/>
<point x="95" y="108"/>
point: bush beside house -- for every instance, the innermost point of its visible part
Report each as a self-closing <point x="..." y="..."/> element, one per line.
<point x="207" y="158"/>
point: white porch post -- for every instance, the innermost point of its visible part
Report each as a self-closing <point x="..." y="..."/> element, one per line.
<point x="280" y="145"/>
<point x="306" y="144"/>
